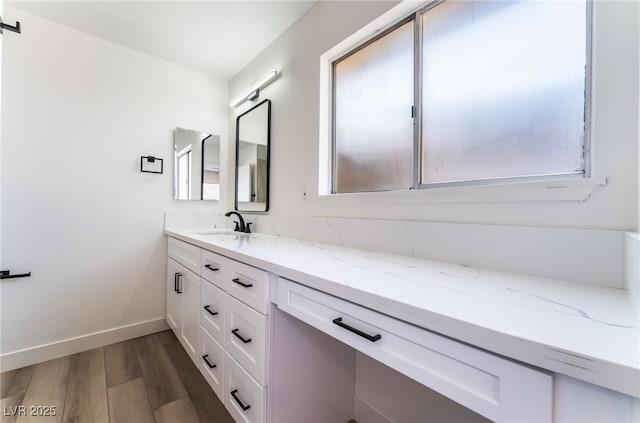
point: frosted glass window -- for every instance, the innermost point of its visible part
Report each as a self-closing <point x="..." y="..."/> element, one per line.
<point x="373" y="126"/>
<point x="503" y="89"/>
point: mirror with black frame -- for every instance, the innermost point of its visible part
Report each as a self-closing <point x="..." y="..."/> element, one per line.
<point x="253" y="129"/>
<point x="197" y="165"/>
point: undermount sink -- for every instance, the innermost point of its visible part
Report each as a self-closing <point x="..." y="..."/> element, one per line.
<point x="216" y="232"/>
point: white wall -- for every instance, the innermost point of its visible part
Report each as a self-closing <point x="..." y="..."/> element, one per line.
<point x="78" y="112"/>
<point x="295" y="123"/>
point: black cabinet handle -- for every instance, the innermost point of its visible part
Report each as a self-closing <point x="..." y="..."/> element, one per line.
<point x="244" y="407"/>
<point x="6" y="274"/>
<point x="211" y="366"/>
<point x="245" y="340"/>
<point x="210" y="267"/>
<point x="213" y="313"/>
<point x="12" y="28"/>
<point x="246" y="285"/>
<point x="372" y="338"/>
<point x="176" y="282"/>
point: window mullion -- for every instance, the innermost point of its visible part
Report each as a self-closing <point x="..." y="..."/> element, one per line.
<point x="332" y="153"/>
<point x="417" y="99"/>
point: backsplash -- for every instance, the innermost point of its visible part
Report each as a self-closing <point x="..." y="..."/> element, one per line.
<point x="632" y="269"/>
<point x="594" y="257"/>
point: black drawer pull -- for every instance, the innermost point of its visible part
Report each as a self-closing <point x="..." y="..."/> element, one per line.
<point x="235" y="332"/>
<point x="211" y="366"/>
<point x="213" y="313"/>
<point x="246" y="285"/>
<point x="372" y="338"/>
<point x="6" y="274"/>
<point x="244" y="407"/>
<point x="8" y="27"/>
<point x="176" y="282"/>
<point x="210" y="267"/>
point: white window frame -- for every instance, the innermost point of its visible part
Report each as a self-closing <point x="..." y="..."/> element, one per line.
<point x="565" y="187"/>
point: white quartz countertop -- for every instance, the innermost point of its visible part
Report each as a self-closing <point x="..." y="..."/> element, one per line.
<point x="583" y="331"/>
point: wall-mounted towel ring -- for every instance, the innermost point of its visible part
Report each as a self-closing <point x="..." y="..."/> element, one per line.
<point x="150" y="164"/>
<point x="9" y="27"/>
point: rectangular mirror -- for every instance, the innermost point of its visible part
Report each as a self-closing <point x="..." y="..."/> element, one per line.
<point x="253" y="129"/>
<point x="197" y="165"/>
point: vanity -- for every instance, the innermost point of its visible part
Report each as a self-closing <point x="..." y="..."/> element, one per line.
<point x="281" y="328"/>
<point x="286" y="330"/>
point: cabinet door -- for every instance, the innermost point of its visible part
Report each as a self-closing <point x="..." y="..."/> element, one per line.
<point x="173" y="298"/>
<point x="189" y="290"/>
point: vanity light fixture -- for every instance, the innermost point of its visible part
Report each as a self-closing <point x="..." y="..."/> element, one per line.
<point x="253" y="91"/>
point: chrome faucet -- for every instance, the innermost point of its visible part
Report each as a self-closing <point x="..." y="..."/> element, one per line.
<point x="240" y="225"/>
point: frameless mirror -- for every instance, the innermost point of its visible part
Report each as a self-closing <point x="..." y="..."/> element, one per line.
<point x="253" y="129"/>
<point x="197" y="165"/>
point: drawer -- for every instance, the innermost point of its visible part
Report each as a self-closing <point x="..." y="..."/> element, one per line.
<point x="211" y="364"/>
<point x="186" y="254"/>
<point x="492" y="386"/>
<point x="244" y="398"/>
<point x="248" y="284"/>
<point x="245" y="337"/>
<point x="212" y="310"/>
<point x="214" y="267"/>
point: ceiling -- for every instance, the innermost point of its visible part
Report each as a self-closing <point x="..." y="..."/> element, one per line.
<point x="217" y="37"/>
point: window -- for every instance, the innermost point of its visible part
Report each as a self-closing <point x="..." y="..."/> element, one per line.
<point x="372" y="108"/>
<point x="461" y="92"/>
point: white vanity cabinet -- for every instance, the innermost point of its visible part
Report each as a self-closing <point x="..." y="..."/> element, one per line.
<point x="218" y="308"/>
<point x="285" y="346"/>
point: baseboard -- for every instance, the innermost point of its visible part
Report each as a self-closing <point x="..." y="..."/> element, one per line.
<point x="40" y="353"/>
<point x="363" y="413"/>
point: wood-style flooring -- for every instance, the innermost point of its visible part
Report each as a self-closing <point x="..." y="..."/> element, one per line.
<point x="144" y="380"/>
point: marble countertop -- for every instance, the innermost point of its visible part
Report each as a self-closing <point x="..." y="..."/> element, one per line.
<point x="587" y="332"/>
